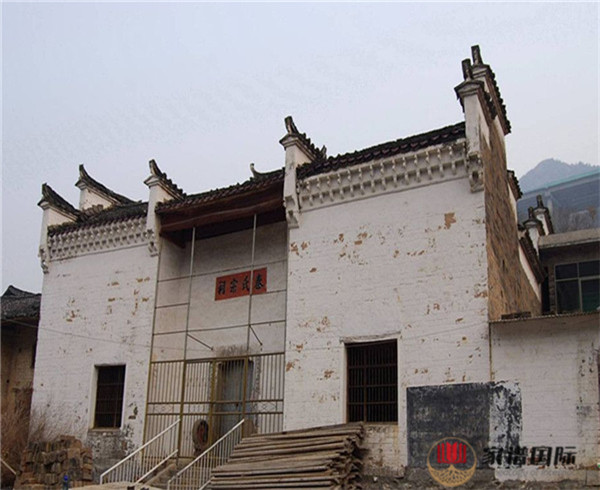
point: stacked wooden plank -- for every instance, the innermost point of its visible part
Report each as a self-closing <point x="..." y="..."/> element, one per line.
<point x="324" y="457"/>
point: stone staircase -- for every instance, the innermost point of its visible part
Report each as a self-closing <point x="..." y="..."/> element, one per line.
<point x="161" y="479"/>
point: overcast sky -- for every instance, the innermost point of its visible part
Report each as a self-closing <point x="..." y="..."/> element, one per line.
<point x="204" y="88"/>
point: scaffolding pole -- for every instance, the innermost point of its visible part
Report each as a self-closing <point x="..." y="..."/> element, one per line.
<point x="185" y="341"/>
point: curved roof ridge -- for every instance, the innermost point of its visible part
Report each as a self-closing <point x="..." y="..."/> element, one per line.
<point x="55" y="199"/>
<point x="87" y="179"/>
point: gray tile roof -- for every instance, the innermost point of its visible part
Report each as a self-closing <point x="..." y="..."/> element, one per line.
<point x="19" y="304"/>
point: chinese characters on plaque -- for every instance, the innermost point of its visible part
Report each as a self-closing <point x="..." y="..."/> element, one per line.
<point x="235" y="285"/>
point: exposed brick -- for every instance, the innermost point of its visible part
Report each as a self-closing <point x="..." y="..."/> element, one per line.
<point x="509" y="290"/>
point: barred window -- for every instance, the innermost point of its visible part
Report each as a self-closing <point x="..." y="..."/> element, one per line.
<point x="373" y="382"/>
<point x="109" y="396"/>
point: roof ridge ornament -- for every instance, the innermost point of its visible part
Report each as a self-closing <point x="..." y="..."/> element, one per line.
<point x="476" y="55"/>
<point x="290" y="126"/>
<point x="55" y="200"/>
<point x="164" y="179"/>
<point x="86" y="180"/>
<point x="467" y="69"/>
<point x="308" y="146"/>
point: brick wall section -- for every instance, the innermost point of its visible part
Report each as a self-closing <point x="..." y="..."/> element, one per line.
<point x="509" y="289"/>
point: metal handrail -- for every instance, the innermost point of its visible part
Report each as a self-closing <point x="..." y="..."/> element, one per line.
<point x="8" y="466"/>
<point x="121" y="473"/>
<point x="201" y="467"/>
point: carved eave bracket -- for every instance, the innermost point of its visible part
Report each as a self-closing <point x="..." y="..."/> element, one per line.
<point x="291" y="201"/>
<point x="153" y="243"/>
<point x="43" y="255"/>
<point x="475" y="172"/>
<point x="56" y="210"/>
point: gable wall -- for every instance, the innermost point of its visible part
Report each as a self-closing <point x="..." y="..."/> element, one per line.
<point x="510" y="290"/>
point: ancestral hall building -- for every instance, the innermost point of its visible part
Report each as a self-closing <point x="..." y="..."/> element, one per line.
<point x="387" y="285"/>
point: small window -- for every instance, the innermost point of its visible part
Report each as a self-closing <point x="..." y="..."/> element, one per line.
<point x="109" y="396"/>
<point x="578" y="286"/>
<point x="373" y="382"/>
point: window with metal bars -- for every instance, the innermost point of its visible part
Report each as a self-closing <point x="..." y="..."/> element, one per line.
<point x="373" y="381"/>
<point x="109" y="396"/>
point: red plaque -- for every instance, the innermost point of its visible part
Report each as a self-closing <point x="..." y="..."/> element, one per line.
<point x="235" y="285"/>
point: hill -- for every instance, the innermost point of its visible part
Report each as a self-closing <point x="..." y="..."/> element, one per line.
<point x="551" y="170"/>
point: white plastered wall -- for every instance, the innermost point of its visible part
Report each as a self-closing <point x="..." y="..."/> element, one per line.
<point x="96" y="310"/>
<point x="555" y="361"/>
<point x="410" y="266"/>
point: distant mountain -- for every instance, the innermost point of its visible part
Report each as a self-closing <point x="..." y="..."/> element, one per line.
<point x="551" y="170"/>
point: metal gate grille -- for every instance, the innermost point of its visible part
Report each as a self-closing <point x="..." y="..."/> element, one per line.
<point x="220" y="391"/>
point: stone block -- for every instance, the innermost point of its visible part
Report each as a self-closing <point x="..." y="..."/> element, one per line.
<point x="73" y="453"/>
<point x="74" y="462"/>
<point x="27" y="477"/>
<point x="50" y="479"/>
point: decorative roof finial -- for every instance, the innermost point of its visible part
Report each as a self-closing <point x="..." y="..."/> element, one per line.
<point x="290" y="126"/>
<point x="467" y="69"/>
<point x="476" y="54"/>
<point x="83" y="173"/>
<point x="154" y="170"/>
<point x="168" y="183"/>
<point x="540" y="202"/>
